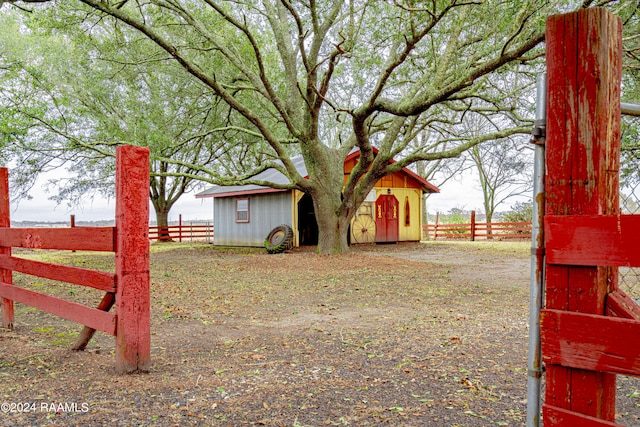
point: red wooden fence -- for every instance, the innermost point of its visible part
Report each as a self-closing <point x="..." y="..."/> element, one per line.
<point x="474" y="230"/>
<point x="128" y="287"/>
<point x="182" y="232"/>
<point x="589" y="329"/>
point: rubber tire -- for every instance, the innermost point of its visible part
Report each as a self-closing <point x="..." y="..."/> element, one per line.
<point x="279" y="239"/>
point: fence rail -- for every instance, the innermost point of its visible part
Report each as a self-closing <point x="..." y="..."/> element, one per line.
<point x="127" y="288"/>
<point x="477" y="230"/>
<point x="182" y="232"/>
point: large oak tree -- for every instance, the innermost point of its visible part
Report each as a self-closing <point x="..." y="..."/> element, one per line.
<point x="324" y="77"/>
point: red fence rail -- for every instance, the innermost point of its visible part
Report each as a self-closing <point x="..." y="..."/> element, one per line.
<point x="477" y="230"/>
<point x="589" y="328"/>
<point x="127" y="288"/>
<point x="189" y="231"/>
<point x="182" y="232"/>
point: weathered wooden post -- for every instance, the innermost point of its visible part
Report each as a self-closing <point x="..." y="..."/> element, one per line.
<point x="435" y="227"/>
<point x="133" y="331"/>
<point x="6" y="276"/>
<point x="72" y="224"/>
<point x="584" y="69"/>
<point x="473" y="226"/>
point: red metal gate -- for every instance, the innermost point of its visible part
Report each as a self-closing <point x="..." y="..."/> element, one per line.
<point x="387" y="224"/>
<point x="589" y="328"/>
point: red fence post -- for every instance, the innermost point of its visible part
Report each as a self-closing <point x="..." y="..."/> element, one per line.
<point x="435" y="227"/>
<point x="6" y="276"/>
<point x="72" y="223"/>
<point x="133" y="331"/>
<point x="583" y="134"/>
<point x="473" y="226"/>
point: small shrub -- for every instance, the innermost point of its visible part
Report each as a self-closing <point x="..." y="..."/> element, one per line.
<point x="520" y="212"/>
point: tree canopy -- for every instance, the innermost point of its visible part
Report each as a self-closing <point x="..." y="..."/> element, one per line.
<point x="71" y="97"/>
<point x="324" y="77"/>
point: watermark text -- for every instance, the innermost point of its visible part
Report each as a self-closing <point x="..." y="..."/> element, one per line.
<point x="48" y="407"/>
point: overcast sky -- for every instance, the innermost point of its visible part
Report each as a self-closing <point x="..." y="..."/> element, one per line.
<point x="462" y="193"/>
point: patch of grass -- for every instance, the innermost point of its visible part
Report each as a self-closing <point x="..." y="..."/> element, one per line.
<point x="65" y="338"/>
<point x="519" y="248"/>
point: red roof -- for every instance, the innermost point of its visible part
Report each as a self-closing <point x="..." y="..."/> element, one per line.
<point x="428" y="187"/>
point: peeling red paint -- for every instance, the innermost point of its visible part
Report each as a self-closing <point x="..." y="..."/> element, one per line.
<point x="130" y="283"/>
<point x="584" y="66"/>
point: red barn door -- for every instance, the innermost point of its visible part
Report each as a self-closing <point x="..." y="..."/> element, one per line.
<point x="387" y="212"/>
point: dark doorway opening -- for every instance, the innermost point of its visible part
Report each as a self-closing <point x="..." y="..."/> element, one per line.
<point x="307" y="224"/>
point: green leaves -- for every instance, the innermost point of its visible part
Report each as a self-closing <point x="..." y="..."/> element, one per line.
<point x="75" y="85"/>
<point x="217" y="88"/>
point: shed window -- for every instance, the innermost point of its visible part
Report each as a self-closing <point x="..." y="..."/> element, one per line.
<point x="242" y="210"/>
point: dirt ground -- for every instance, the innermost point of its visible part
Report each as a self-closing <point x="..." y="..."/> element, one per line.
<point x="431" y="334"/>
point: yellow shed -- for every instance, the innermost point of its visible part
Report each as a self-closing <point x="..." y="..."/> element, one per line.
<point x="392" y="212"/>
<point x="245" y="214"/>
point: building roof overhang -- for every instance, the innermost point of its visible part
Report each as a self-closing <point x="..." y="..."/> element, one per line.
<point x="276" y="177"/>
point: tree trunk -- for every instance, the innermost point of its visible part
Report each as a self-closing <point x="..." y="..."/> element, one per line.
<point x="333" y="214"/>
<point x="489" y="220"/>
<point x="162" y="219"/>
<point x="332" y="234"/>
<point x="333" y="227"/>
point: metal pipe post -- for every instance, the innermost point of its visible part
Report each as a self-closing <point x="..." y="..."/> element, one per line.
<point x="630" y="109"/>
<point x="534" y="366"/>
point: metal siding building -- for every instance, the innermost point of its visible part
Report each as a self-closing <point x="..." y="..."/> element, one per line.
<point x="266" y="211"/>
<point x="392" y="215"/>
